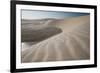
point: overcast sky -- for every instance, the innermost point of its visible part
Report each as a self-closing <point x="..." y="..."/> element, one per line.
<point x="36" y="14"/>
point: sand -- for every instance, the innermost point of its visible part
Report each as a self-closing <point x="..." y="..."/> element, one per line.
<point x="73" y="43"/>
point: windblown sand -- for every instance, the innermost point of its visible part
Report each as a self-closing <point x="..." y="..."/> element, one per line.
<point x="73" y="43"/>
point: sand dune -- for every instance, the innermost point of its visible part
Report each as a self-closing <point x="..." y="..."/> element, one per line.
<point x="73" y="43"/>
<point x="32" y="28"/>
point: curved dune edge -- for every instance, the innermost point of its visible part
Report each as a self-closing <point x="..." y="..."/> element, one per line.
<point x="72" y="44"/>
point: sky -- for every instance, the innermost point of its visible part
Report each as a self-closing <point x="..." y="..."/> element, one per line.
<point x="37" y="14"/>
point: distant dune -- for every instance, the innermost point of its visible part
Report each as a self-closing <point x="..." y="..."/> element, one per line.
<point x="72" y="42"/>
<point x="38" y="30"/>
